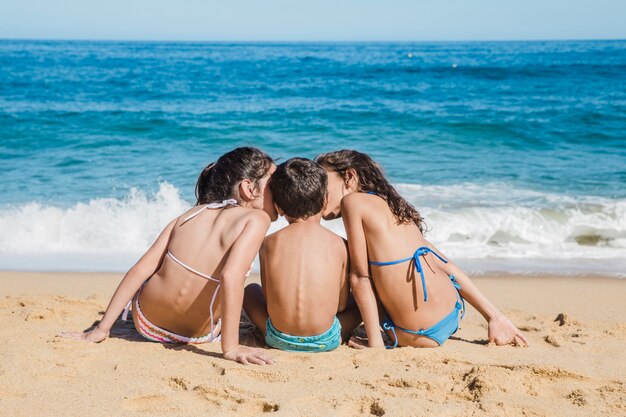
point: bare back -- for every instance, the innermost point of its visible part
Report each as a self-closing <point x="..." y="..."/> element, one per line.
<point x="176" y="298"/>
<point x="304" y="275"/>
<point x="399" y="286"/>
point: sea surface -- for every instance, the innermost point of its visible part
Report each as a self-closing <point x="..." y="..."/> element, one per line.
<point x="515" y="152"/>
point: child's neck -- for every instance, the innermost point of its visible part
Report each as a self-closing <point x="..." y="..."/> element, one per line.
<point x="312" y="219"/>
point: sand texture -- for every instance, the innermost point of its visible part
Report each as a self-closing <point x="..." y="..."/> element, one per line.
<point x="576" y="365"/>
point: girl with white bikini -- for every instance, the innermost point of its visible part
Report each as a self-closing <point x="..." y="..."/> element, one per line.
<point x="188" y="287"/>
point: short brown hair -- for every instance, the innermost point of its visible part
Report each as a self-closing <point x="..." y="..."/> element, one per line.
<point x="299" y="187"/>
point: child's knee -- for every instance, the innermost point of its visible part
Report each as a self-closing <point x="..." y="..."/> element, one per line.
<point x="252" y="292"/>
<point x="253" y="298"/>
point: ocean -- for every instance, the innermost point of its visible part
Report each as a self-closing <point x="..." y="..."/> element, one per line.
<point x="514" y="152"/>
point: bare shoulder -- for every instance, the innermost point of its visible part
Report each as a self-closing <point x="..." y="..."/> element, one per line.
<point x="342" y="246"/>
<point x="356" y="200"/>
<point x="255" y="216"/>
<point x="357" y="203"/>
<point x="192" y="210"/>
<point x="271" y="239"/>
<point x="334" y="240"/>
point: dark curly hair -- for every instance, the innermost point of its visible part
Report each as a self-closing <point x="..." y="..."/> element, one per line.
<point x="219" y="180"/>
<point x="371" y="178"/>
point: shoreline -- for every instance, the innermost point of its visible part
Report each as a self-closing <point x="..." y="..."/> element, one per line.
<point x="9" y="274"/>
<point x="575" y="366"/>
<point x="474" y="268"/>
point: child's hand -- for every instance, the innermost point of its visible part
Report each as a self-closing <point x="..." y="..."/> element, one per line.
<point x="248" y="355"/>
<point x="502" y="332"/>
<point x="95" y="335"/>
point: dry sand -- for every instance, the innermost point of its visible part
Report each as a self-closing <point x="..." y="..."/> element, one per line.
<point x="574" y="367"/>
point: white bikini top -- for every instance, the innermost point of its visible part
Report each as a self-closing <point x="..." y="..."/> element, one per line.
<point x="225" y="203"/>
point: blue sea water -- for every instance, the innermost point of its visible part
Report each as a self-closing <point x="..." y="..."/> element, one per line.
<point x="512" y="150"/>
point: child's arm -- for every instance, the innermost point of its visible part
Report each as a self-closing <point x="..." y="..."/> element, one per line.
<point x="132" y="281"/>
<point x="500" y="329"/>
<point x="360" y="281"/>
<point x="241" y="255"/>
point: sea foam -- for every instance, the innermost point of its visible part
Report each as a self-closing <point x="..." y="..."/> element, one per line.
<point x="486" y="228"/>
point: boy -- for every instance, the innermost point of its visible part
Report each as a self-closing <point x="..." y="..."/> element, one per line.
<point x="303" y="302"/>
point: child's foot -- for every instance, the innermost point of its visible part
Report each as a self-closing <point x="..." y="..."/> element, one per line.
<point x="357" y="342"/>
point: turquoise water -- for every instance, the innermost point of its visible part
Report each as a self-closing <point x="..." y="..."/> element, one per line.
<point x="511" y="149"/>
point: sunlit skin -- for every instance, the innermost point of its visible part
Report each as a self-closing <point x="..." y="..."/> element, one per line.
<point x="337" y="189"/>
<point x="304" y="281"/>
<point x="266" y="197"/>
<point x="373" y="234"/>
<point x="221" y="243"/>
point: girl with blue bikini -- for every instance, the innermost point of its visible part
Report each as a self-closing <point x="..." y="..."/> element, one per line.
<point x="399" y="280"/>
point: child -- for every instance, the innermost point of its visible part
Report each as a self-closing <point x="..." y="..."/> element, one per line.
<point x="189" y="284"/>
<point x="419" y="289"/>
<point x="303" y="302"/>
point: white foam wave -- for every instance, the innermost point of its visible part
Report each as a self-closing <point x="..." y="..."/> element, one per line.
<point x="487" y="227"/>
<point x="36" y="236"/>
<point x="499" y="221"/>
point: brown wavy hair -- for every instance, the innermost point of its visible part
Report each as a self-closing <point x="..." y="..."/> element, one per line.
<point x="371" y="178"/>
<point x="220" y="179"/>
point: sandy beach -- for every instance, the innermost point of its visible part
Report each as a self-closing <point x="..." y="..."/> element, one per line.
<point x="576" y="364"/>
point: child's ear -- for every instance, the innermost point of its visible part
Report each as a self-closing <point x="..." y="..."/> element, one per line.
<point x="350" y="179"/>
<point x="325" y="202"/>
<point x="246" y="190"/>
<point x="278" y="210"/>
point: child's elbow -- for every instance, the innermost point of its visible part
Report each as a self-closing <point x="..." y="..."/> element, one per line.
<point x="359" y="284"/>
<point x="230" y="280"/>
<point x="142" y="270"/>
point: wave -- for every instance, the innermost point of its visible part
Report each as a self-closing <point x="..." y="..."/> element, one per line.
<point x="496" y="220"/>
<point x="489" y="227"/>
<point x="103" y="225"/>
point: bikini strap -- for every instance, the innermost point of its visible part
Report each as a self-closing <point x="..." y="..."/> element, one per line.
<point x="190" y="269"/>
<point x="224" y="203"/>
<point x="459" y="297"/>
<point x="126" y="310"/>
<point x="418" y="265"/>
<point x="421" y="251"/>
<point x="388" y="325"/>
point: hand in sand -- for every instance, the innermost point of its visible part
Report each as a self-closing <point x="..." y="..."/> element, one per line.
<point x="248" y="355"/>
<point x="95" y="335"/>
<point x="502" y="331"/>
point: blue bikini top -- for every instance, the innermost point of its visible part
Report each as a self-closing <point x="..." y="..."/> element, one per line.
<point x="423" y="250"/>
